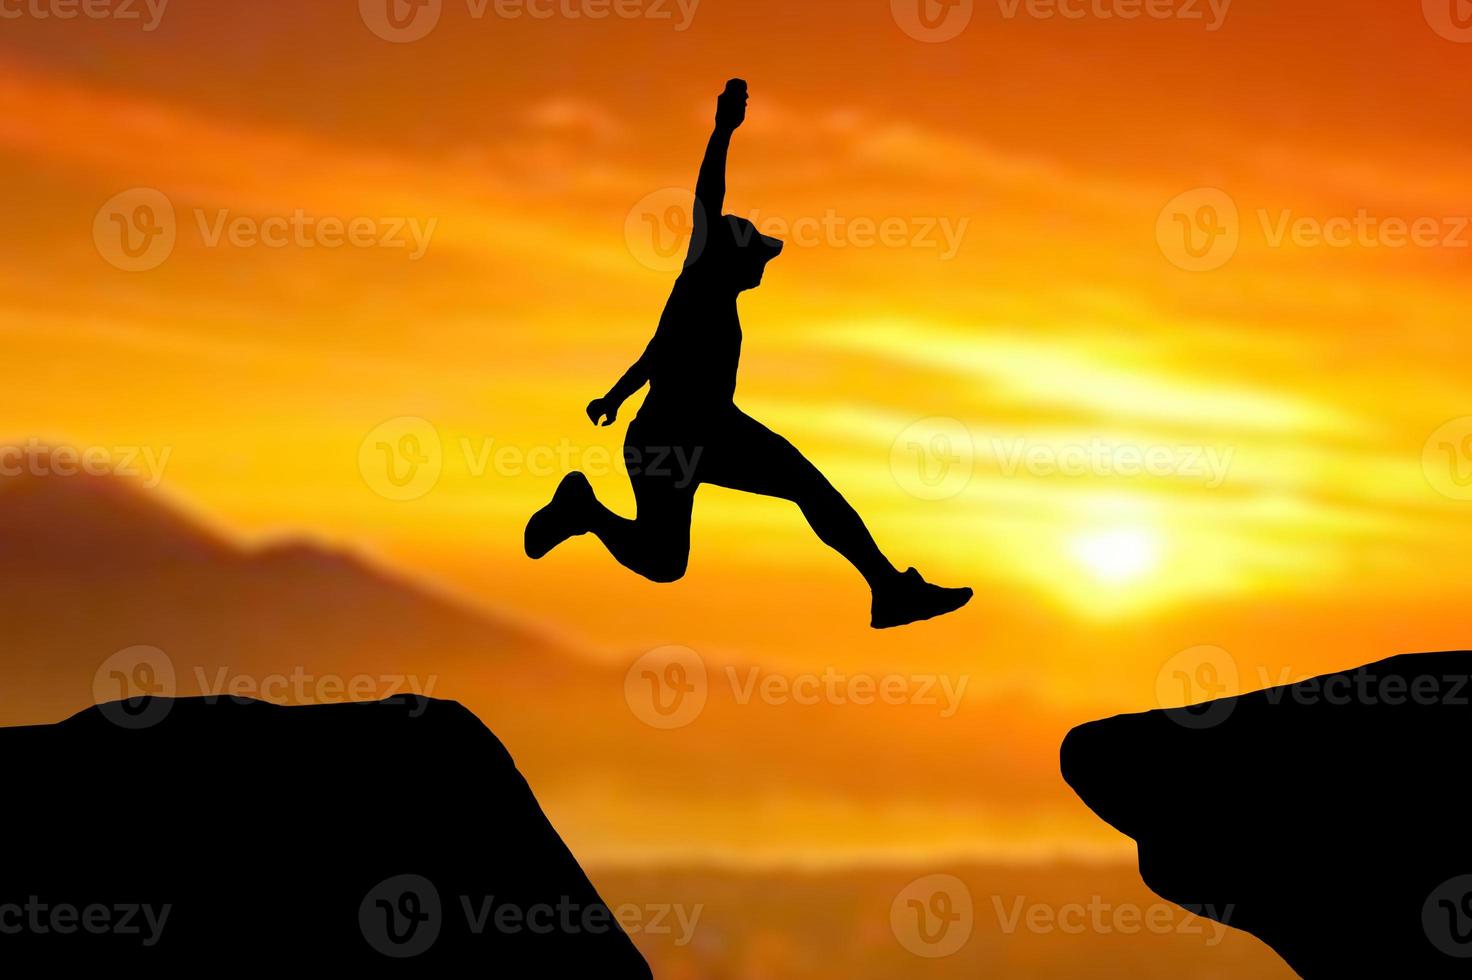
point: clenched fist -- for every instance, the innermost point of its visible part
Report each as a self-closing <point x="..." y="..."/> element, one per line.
<point x="600" y="407"/>
<point x="731" y="106"/>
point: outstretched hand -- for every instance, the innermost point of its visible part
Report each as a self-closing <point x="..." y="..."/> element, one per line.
<point x="599" y="407"/>
<point x="731" y="106"/>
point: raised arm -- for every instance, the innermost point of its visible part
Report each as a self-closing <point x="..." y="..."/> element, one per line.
<point x="710" y="186"/>
<point x="710" y="202"/>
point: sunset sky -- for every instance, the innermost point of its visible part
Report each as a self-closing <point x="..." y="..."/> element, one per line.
<point x="988" y="327"/>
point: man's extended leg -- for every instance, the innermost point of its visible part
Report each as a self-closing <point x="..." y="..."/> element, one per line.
<point x="754" y="459"/>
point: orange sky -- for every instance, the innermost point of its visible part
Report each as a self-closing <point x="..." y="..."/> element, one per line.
<point x="1303" y="517"/>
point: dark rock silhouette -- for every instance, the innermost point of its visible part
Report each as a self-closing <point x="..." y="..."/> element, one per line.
<point x="194" y="832"/>
<point x="1327" y="818"/>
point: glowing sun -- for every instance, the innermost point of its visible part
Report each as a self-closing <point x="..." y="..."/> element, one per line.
<point x="1117" y="556"/>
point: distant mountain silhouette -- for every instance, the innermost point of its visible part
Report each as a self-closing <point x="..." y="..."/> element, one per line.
<point x="352" y="834"/>
<point x="1328" y="818"/>
<point x="102" y="523"/>
<point x="90" y="565"/>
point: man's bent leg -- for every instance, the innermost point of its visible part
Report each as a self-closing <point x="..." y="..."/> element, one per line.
<point x="656" y="544"/>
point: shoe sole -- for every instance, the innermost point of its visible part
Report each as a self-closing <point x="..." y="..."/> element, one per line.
<point x="945" y="611"/>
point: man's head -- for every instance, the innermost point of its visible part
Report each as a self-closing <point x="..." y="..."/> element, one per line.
<point x="734" y="254"/>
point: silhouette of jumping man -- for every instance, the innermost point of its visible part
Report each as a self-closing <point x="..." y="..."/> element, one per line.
<point x="689" y="430"/>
